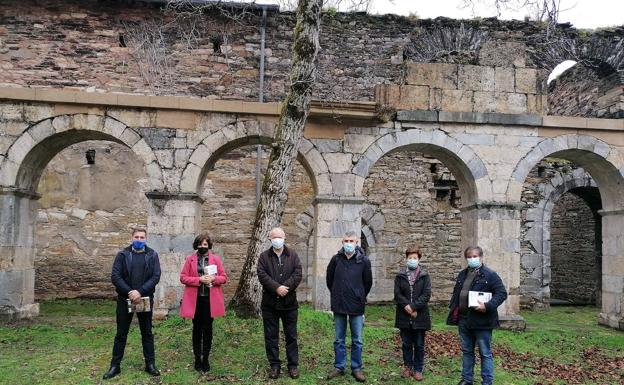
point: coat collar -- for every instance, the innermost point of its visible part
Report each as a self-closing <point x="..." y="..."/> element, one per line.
<point x="358" y="255"/>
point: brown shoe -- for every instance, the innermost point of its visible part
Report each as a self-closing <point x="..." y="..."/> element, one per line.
<point x="407" y="373"/>
<point x="418" y="376"/>
<point x="293" y="373"/>
<point x="274" y="373"/>
<point x="359" y="376"/>
<point x="335" y="373"/>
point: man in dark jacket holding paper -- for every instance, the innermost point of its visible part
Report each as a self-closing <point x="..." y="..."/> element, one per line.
<point x="279" y="272"/>
<point x="476" y="322"/>
<point x="349" y="280"/>
<point x="136" y="272"/>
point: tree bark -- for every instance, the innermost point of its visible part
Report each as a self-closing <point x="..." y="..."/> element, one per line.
<point x="295" y="109"/>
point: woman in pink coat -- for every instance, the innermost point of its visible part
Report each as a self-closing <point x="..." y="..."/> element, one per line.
<point x="202" y="275"/>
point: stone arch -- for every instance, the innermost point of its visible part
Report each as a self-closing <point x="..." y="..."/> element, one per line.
<point x="468" y="169"/>
<point x="605" y="165"/>
<point x="538" y="234"/>
<point x="30" y="153"/>
<point x="209" y="150"/>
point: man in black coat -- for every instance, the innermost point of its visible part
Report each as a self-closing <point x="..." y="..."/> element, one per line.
<point x="476" y="322"/>
<point x="349" y="280"/>
<point x="136" y="272"/>
<point x="279" y="272"/>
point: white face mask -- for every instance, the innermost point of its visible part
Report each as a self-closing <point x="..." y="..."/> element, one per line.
<point x="277" y="243"/>
<point x="412" y="264"/>
<point x="473" y="262"/>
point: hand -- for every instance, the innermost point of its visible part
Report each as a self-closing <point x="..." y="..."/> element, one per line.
<point x="414" y="314"/>
<point x="408" y="309"/>
<point x="481" y="307"/>
<point x="134" y="296"/>
<point x="206" y="279"/>
<point x="282" y="291"/>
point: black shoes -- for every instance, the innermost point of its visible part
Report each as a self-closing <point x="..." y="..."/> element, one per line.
<point x="112" y="372"/>
<point x="464" y="382"/>
<point x="151" y="369"/>
<point x="274" y="372"/>
<point x="205" y="366"/>
<point x="198" y="364"/>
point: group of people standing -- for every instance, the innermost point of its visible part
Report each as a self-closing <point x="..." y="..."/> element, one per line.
<point x="136" y="271"/>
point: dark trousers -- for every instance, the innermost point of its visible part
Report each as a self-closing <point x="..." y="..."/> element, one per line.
<point x="202" y="328"/>
<point x="413" y="349"/>
<point x="124" y="319"/>
<point x="270" y="320"/>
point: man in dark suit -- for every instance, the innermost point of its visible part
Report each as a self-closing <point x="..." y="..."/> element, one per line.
<point x="136" y="272"/>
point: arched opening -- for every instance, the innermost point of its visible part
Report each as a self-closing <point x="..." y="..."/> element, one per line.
<point x="228" y="212"/>
<point x="83" y="221"/>
<point x="605" y="166"/>
<point x="414" y="194"/>
<point x="588" y="89"/>
<point x="576" y="240"/>
<point x="412" y="198"/>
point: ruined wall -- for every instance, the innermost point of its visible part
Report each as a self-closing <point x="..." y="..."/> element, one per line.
<point x="412" y="199"/>
<point x="587" y="92"/>
<point x="575" y="258"/>
<point x="85" y="216"/>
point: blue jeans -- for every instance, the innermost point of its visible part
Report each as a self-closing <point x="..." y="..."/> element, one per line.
<point x="413" y="349"/>
<point x="483" y="339"/>
<point x="356" y="323"/>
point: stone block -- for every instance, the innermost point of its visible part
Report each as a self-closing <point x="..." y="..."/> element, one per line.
<point x="475" y="78"/>
<point x="478" y="139"/>
<point x="143" y="150"/>
<point x="5" y="143"/>
<point x="504" y="80"/>
<point x="41" y="130"/>
<point x="160" y="138"/>
<point x="339" y="162"/>
<point x="438" y="75"/>
<point x="498" y="53"/>
<point x="179" y="142"/>
<point x="129" y="137"/>
<point x="326" y="145"/>
<point x="412" y="98"/>
<point x="456" y="100"/>
<point x="164" y="157"/>
<point x="176" y="119"/>
<point x="526" y="80"/>
<point x="13" y="127"/>
<point x="114" y="127"/>
<point x="356" y="143"/>
<point x="62" y="123"/>
<point x="343" y="184"/>
<point x="329" y="211"/>
<point x="323" y="184"/>
<point x="190" y="178"/>
<point x="155" y="180"/>
<point x="9" y="111"/>
<point x="181" y="157"/>
<point x="20" y="148"/>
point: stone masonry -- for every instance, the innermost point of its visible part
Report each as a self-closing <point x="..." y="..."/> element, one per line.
<point x="481" y="116"/>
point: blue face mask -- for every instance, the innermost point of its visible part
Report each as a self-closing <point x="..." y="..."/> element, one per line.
<point x="348" y="248"/>
<point x="412" y="264"/>
<point x="473" y="262"/>
<point x="138" y="245"/>
<point x="277" y="243"/>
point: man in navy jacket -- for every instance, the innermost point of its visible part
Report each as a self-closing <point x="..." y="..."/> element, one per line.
<point x="476" y="323"/>
<point x="136" y="272"/>
<point x="349" y="280"/>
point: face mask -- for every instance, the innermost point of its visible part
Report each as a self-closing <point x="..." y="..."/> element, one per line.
<point x="473" y="262"/>
<point x="349" y="248"/>
<point x="138" y="245"/>
<point x="412" y="264"/>
<point x="277" y="243"/>
<point x="202" y="250"/>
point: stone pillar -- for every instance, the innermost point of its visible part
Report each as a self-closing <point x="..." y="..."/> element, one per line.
<point x="612" y="313"/>
<point x="18" y="213"/>
<point x="496" y="228"/>
<point x="173" y="223"/>
<point x="334" y="216"/>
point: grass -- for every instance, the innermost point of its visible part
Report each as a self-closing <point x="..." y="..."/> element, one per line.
<point x="71" y="343"/>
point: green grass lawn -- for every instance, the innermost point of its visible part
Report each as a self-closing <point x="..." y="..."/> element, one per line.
<point x="71" y="343"/>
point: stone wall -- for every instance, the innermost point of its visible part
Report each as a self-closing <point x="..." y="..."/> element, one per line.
<point x="588" y="92"/>
<point x="575" y="257"/>
<point x="85" y="216"/>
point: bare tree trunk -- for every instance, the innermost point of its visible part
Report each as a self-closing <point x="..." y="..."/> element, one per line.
<point x="246" y="301"/>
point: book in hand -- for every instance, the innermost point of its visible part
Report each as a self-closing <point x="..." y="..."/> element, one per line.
<point x="474" y="297"/>
<point x="142" y="306"/>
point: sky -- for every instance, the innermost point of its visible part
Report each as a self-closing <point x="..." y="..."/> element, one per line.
<point x="581" y="13"/>
<point x="586" y="14"/>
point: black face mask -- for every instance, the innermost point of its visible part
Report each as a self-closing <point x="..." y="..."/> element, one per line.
<point x="202" y="250"/>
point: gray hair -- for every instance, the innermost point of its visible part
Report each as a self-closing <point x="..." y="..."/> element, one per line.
<point x="350" y="234"/>
<point x="277" y="229"/>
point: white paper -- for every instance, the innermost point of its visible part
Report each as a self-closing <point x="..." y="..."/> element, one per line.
<point x="474" y="297"/>
<point x="210" y="269"/>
